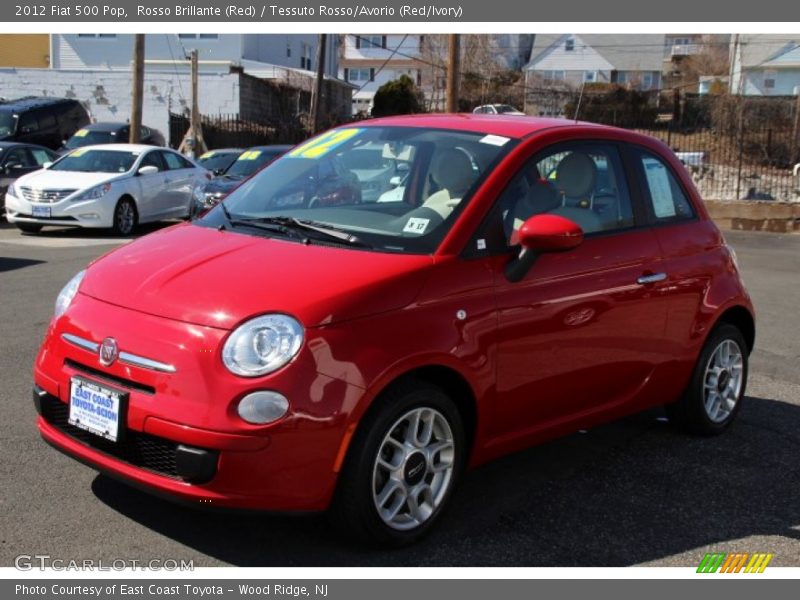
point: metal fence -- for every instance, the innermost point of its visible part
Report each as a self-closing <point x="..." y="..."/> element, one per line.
<point x="735" y="147"/>
<point x="229" y="131"/>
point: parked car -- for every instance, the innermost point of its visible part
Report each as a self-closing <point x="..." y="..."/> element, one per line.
<point x="497" y="109"/>
<point x="44" y="121"/>
<point x="18" y="159"/>
<point x="217" y="161"/>
<point x="110" y="133"/>
<point x="247" y="163"/>
<point x="113" y="186"/>
<point x="295" y="356"/>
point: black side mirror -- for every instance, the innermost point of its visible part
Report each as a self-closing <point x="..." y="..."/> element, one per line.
<point x="10" y="168"/>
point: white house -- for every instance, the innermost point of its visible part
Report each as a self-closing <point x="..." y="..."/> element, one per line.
<point x="570" y="60"/>
<point x="368" y="61"/>
<point x="765" y="64"/>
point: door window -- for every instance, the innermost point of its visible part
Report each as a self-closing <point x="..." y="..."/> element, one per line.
<point x="174" y="161"/>
<point x="41" y="156"/>
<point x="583" y="182"/>
<point x="152" y="159"/>
<point x="21" y="157"/>
<point x="667" y="198"/>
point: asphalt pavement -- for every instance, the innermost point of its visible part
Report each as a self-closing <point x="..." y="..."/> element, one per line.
<point x="629" y="493"/>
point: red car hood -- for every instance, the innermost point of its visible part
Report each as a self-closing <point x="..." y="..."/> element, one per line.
<point x="220" y="278"/>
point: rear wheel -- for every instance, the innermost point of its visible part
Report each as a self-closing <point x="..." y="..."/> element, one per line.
<point x="402" y="466"/>
<point x="125" y="217"/>
<point x="29" y="227"/>
<point x="715" y="392"/>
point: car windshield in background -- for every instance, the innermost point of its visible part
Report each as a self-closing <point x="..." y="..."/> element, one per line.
<point x="8" y="123"/>
<point x="216" y="160"/>
<point x="97" y="161"/>
<point x="90" y="138"/>
<point x="249" y="162"/>
<point x="393" y="188"/>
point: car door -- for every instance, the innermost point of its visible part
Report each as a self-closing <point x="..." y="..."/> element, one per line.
<point x="180" y="180"/>
<point x="152" y="190"/>
<point x="580" y="332"/>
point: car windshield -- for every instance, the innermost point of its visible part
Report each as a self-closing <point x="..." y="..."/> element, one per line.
<point x="90" y="138"/>
<point x="249" y="162"/>
<point x="505" y="108"/>
<point x="8" y="123"/>
<point x="216" y="160"/>
<point x="396" y="189"/>
<point x="96" y="161"/>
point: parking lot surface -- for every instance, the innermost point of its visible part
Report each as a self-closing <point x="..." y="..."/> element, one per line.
<point x="628" y="493"/>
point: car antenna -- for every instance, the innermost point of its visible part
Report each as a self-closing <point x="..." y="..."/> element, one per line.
<point x="578" y="106"/>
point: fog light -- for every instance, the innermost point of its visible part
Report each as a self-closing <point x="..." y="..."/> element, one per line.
<point x="262" y="407"/>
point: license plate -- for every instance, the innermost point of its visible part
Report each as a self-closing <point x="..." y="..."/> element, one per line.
<point x="96" y="408"/>
<point x="41" y="211"/>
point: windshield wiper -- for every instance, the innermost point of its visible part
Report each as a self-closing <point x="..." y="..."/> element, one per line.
<point x="320" y="229"/>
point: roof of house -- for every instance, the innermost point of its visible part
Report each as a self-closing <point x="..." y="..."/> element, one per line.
<point x="770" y="50"/>
<point x="626" y="52"/>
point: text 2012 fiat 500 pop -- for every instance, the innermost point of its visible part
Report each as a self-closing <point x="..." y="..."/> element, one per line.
<point x="288" y="352"/>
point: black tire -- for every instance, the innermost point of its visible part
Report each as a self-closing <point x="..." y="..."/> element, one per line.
<point x="29" y="227"/>
<point x="125" y="222"/>
<point x="690" y="414"/>
<point x="353" y="511"/>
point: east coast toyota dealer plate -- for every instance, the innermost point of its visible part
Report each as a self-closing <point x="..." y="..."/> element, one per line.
<point x="95" y="408"/>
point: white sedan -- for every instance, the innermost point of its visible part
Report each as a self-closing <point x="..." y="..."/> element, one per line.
<point x="113" y="186"/>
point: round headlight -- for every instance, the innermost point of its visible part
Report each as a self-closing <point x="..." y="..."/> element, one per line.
<point x="262" y="345"/>
<point x="67" y="293"/>
<point x="260" y="408"/>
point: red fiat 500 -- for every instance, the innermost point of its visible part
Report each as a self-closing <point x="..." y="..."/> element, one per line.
<point x="517" y="279"/>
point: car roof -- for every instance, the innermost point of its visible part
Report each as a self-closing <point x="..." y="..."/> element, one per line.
<point x="5" y="145"/>
<point x="105" y="126"/>
<point x="30" y="102"/>
<point x="121" y="147"/>
<point x="516" y="126"/>
<point x="278" y="147"/>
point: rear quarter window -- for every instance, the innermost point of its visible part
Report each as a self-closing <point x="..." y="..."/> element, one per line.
<point x="666" y="197"/>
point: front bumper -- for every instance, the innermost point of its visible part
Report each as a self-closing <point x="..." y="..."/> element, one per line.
<point x="183" y="438"/>
<point x="85" y="213"/>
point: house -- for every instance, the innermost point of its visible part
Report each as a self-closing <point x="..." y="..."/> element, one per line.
<point x="570" y="60"/>
<point x="370" y="60"/>
<point x="765" y="64"/>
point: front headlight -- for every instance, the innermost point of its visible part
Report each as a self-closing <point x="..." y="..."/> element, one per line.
<point x="67" y="293"/>
<point x="12" y="190"/>
<point x="94" y="193"/>
<point x="262" y="345"/>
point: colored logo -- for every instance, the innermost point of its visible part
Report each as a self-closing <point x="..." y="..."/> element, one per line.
<point x="108" y="351"/>
<point x="740" y="562"/>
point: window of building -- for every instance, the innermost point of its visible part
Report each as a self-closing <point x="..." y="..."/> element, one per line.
<point x="569" y="45"/>
<point x="769" y="79"/>
<point x="198" y="36"/>
<point x="553" y="75"/>
<point x="97" y="36"/>
<point x="359" y="75"/>
<point x="590" y="76"/>
<point x="622" y="77"/>
<point x="647" y="81"/>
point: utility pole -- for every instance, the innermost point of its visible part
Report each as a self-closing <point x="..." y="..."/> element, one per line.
<point x="193" y="143"/>
<point x="316" y="96"/>
<point x="453" y="71"/>
<point x="138" y="89"/>
<point x="796" y="129"/>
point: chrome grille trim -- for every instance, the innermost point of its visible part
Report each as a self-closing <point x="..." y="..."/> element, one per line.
<point x="45" y="196"/>
<point x="124" y="357"/>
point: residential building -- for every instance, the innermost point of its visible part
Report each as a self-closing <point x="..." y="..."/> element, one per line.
<point x="765" y="64"/>
<point x="370" y="60"/>
<point x="571" y="60"/>
<point x="691" y="60"/>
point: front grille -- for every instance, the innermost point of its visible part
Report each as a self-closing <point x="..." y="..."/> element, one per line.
<point x="98" y="374"/>
<point x="46" y="196"/>
<point x="141" y="450"/>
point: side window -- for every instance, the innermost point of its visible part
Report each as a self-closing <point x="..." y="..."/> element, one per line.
<point x="47" y="121"/>
<point x="28" y="123"/>
<point x="583" y="182"/>
<point x="152" y="159"/>
<point x="41" y="156"/>
<point x="174" y="161"/>
<point x="19" y="156"/>
<point x="667" y="198"/>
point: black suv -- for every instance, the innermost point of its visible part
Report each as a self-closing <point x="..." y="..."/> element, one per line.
<point x="44" y="121"/>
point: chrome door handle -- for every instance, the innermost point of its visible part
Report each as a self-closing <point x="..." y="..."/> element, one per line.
<point x="654" y="278"/>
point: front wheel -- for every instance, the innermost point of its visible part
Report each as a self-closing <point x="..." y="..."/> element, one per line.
<point x="125" y="217"/>
<point x="402" y="466"/>
<point x="716" y="389"/>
